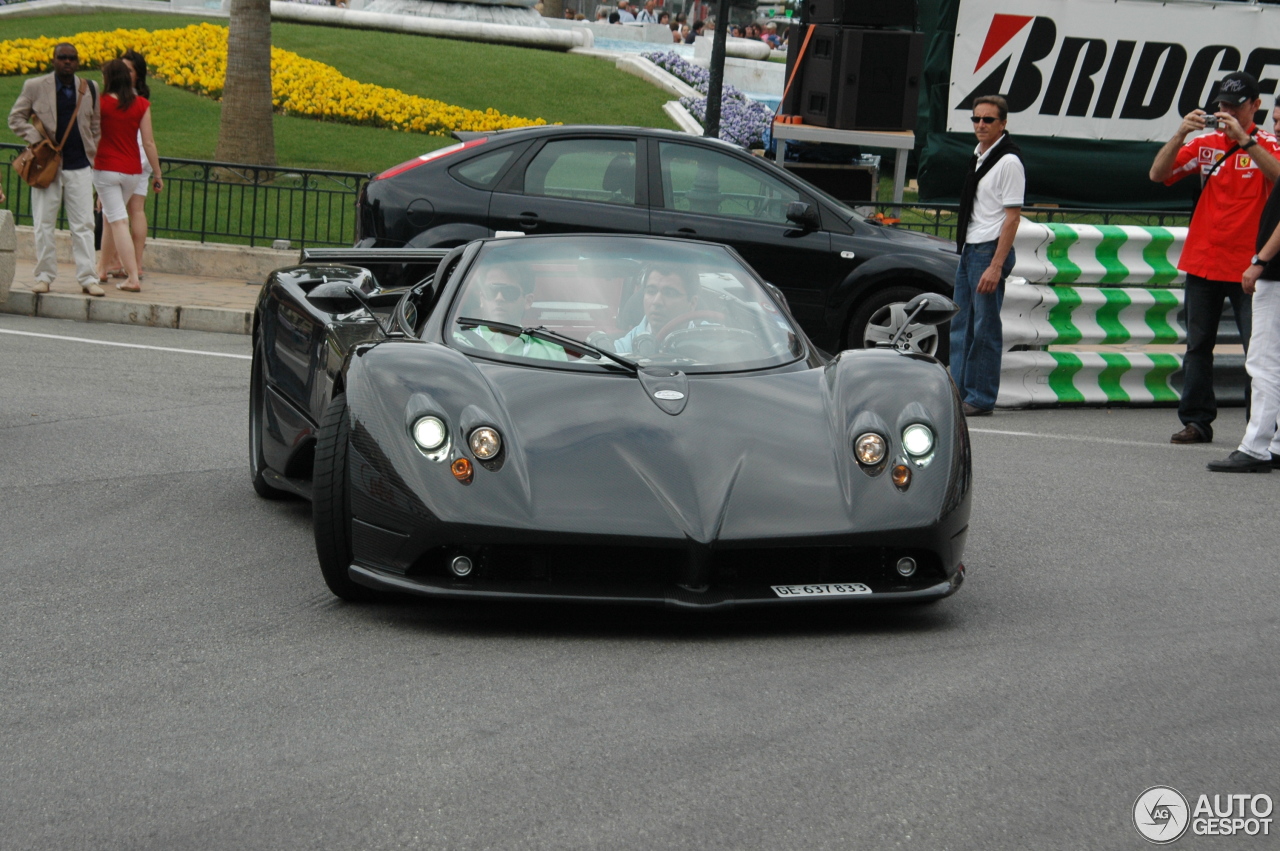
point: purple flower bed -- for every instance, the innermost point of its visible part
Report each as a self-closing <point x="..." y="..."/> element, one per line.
<point x="742" y="121"/>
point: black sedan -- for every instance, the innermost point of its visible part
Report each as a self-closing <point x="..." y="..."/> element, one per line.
<point x="846" y="277"/>
<point x="600" y="418"/>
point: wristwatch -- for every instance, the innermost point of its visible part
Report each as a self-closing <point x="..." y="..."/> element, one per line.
<point x="1249" y="144"/>
<point x="1258" y="261"/>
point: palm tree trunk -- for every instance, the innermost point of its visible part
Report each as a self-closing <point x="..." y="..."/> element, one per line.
<point x="245" y="133"/>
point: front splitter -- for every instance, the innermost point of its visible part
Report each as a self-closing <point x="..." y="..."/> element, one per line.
<point x="674" y="596"/>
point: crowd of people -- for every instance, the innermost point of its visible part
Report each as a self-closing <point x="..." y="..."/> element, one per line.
<point x="682" y="31"/>
<point x="108" y="163"/>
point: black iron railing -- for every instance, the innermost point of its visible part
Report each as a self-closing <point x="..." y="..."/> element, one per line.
<point x="940" y="219"/>
<point x="229" y="202"/>
<point x="257" y="205"/>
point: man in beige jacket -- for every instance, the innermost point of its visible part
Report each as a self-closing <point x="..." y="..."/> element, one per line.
<point x="52" y="98"/>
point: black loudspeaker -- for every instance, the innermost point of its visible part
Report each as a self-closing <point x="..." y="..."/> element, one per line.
<point x="853" y="79"/>
<point x="860" y="13"/>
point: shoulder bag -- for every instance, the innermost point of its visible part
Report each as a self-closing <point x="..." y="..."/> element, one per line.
<point x="38" y="163"/>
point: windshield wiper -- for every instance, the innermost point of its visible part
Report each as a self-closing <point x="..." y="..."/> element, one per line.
<point x="543" y="333"/>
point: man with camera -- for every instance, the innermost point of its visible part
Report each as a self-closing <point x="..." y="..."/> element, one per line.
<point x="1236" y="163"/>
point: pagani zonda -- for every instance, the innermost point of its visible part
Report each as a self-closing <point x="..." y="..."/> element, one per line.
<point x="600" y="418"/>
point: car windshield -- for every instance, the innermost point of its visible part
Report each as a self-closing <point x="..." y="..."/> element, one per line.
<point x="651" y="302"/>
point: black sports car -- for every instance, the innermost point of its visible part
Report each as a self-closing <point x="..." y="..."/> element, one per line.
<point x="599" y="418"/>
<point x="845" y="276"/>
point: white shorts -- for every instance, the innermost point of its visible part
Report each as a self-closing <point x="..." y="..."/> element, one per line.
<point x="114" y="189"/>
<point x="144" y="181"/>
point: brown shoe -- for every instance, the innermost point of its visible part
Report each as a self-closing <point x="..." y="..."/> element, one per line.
<point x="1191" y="434"/>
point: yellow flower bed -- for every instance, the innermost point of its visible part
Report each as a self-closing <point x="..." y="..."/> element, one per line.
<point x="195" y="58"/>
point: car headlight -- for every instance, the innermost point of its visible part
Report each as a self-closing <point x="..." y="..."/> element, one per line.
<point x="430" y="433"/>
<point x="485" y="442"/>
<point x="869" y="449"/>
<point x="917" y="439"/>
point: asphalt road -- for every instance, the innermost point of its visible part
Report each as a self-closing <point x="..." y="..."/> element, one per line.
<point x="175" y="675"/>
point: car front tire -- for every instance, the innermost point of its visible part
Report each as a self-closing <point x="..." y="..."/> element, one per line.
<point x="331" y="505"/>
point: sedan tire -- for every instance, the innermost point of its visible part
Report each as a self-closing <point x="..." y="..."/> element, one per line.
<point x="880" y="316"/>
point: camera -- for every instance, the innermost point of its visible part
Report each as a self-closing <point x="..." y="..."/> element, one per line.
<point x="1211" y="122"/>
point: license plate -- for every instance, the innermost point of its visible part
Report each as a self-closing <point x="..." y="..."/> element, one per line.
<point x="842" y="589"/>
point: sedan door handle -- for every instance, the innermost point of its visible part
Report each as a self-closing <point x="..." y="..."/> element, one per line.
<point x="681" y="232"/>
<point x="528" y="221"/>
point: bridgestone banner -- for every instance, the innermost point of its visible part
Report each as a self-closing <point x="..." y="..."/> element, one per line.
<point x="1106" y="69"/>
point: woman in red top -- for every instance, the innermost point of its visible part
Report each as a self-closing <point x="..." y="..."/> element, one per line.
<point x="118" y="166"/>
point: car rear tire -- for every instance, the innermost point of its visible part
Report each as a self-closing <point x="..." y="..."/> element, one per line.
<point x="879" y="316"/>
<point x="257" y="415"/>
<point x="331" y="505"/>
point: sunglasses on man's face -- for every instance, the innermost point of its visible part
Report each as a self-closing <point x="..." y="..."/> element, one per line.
<point x="505" y="292"/>
<point x="983" y="119"/>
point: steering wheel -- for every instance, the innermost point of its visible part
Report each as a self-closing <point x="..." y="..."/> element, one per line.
<point x="709" y="336"/>
<point x="685" y="318"/>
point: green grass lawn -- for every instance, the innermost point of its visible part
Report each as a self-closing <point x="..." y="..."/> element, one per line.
<point x="519" y="81"/>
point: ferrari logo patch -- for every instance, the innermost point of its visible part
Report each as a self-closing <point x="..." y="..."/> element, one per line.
<point x="1244" y="161"/>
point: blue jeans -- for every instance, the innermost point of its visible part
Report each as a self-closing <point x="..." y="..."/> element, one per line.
<point x="977" y="337"/>
<point x="1198" y="405"/>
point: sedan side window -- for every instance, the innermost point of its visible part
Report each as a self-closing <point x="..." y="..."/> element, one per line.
<point x="601" y="170"/>
<point x="482" y="172"/>
<point x="699" y="180"/>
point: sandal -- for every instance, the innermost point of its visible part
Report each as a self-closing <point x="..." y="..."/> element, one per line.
<point x="117" y="273"/>
<point x="126" y="288"/>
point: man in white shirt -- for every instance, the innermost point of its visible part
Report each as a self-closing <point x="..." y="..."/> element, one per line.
<point x="625" y="15"/>
<point x="647" y="15"/>
<point x="990" y="208"/>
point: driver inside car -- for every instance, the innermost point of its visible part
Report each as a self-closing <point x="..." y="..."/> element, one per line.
<point x="505" y="294"/>
<point x="669" y="292"/>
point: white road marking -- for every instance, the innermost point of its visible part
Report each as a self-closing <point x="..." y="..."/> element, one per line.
<point x="127" y="345"/>
<point x="1083" y="439"/>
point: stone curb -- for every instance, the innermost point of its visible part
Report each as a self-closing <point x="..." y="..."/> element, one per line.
<point x="182" y="257"/>
<point x="83" y="308"/>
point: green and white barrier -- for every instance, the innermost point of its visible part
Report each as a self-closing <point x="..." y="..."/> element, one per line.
<point x="1099" y="254"/>
<point x="1036" y="315"/>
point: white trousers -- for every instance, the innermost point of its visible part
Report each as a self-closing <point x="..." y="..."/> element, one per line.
<point x="1263" y="365"/>
<point x="72" y="190"/>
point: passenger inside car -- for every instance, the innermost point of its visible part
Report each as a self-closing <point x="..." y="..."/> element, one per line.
<point x="504" y="295"/>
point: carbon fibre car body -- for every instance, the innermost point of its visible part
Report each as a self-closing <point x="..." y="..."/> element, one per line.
<point x="717" y="468"/>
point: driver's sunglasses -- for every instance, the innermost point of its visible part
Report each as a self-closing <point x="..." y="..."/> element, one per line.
<point x="62" y="57"/>
<point x="505" y="292"/>
<point x="983" y="119"/>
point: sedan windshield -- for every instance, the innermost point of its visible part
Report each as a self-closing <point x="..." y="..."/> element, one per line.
<point x="651" y="302"/>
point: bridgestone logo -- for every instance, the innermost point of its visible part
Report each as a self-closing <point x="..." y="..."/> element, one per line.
<point x="1075" y="73"/>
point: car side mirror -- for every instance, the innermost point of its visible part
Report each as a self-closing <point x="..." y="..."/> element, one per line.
<point x="803" y="214"/>
<point x="930" y="309"/>
<point x="333" y="297"/>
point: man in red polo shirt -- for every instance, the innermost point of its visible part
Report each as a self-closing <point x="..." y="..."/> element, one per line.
<point x="1237" y="164"/>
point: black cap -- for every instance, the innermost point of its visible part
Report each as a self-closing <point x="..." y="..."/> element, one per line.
<point x="1234" y="89"/>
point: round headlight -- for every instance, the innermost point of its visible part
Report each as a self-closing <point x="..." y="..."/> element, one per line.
<point x="869" y="449"/>
<point x="430" y="433"/>
<point x="485" y="442"/>
<point x="917" y="440"/>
